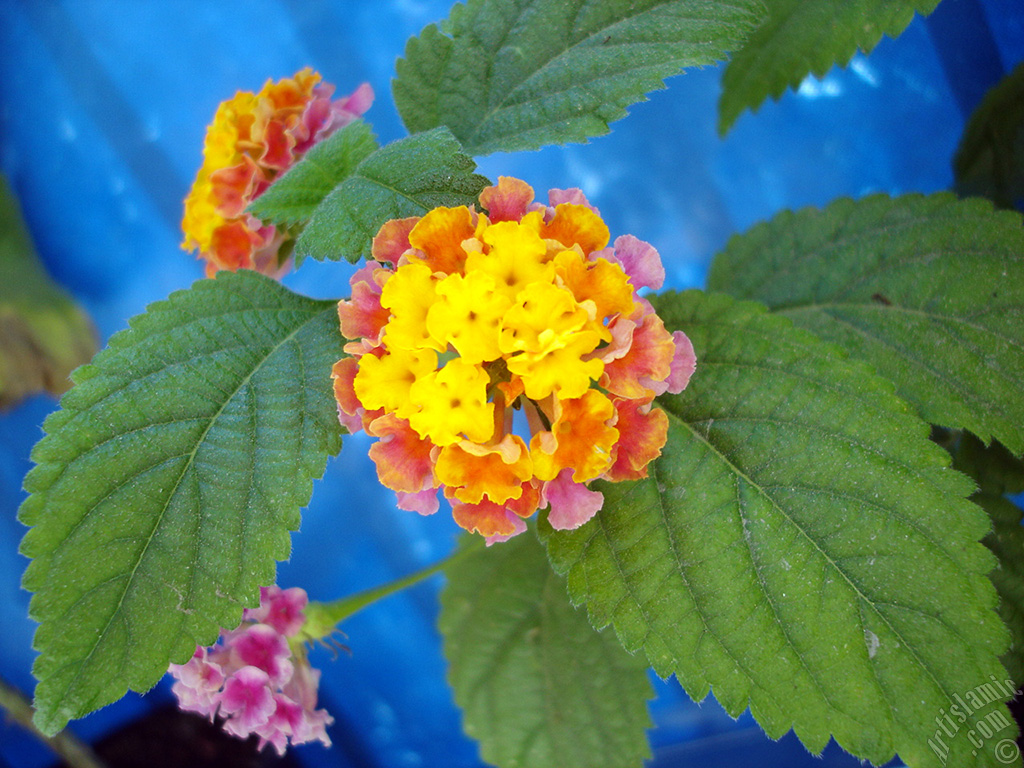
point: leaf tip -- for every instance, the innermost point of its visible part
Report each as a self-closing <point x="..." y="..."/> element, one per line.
<point x="49" y="721"/>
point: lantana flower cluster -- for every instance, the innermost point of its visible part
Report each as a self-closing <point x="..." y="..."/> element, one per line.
<point x="508" y="359"/>
<point x="253" y="139"/>
<point x="257" y="677"/>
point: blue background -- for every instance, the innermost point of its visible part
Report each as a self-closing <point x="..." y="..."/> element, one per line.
<point x="103" y="109"/>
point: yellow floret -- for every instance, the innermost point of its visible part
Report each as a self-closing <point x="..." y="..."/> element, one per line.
<point x="546" y="338"/>
<point x="451" y="403"/>
<point x="517" y="256"/>
<point x="384" y="382"/>
<point x="409" y="294"/>
<point x="468" y="315"/>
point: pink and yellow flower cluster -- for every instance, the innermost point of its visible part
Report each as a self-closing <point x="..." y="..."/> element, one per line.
<point x="253" y="139"/>
<point x="508" y="359"/>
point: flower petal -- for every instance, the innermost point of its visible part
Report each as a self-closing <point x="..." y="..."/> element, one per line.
<point x="249" y="699"/>
<point x="354" y="105"/>
<point x="469" y="471"/>
<point x="572" y="195"/>
<point x="643" y="370"/>
<point x="468" y="315"/>
<point x="572" y="504"/>
<point x="497" y="520"/>
<point x="362" y="316"/>
<point x="581" y="438"/>
<point x="452" y="403"/>
<point x="384" y="381"/>
<point x="439" y="235"/>
<point x="408" y="294"/>
<point x="684" y="363"/>
<point x="392" y="241"/>
<point x="600" y="281"/>
<point x="643" y="431"/>
<point x="509" y="200"/>
<point x="281" y="609"/>
<point x="575" y="224"/>
<point x="424" y="502"/>
<point x="403" y="459"/>
<point x="641" y="262"/>
<point x="263" y="647"/>
<point x="350" y="411"/>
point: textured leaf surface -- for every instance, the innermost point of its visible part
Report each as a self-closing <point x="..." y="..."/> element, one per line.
<point x="509" y="75"/>
<point x="800" y="546"/>
<point x="166" y="485"/>
<point x="990" y="159"/>
<point x="997" y="473"/>
<point x="1007" y="543"/>
<point x="806" y="37"/>
<point x="406" y="178"/>
<point x="43" y="334"/>
<point x="537" y="685"/>
<point x="929" y="290"/>
<point x="293" y="198"/>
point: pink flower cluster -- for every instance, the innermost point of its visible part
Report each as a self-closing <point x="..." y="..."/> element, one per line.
<point x="255" y="679"/>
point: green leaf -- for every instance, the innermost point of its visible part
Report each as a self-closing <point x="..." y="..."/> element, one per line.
<point x="405" y="178"/>
<point x="293" y="197"/>
<point x="929" y="290"/>
<point x="997" y="472"/>
<point x="806" y="37"/>
<point x="1007" y="543"/>
<point x="990" y="159"/>
<point x="166" y="485"/>
<point x="800" y="546"/>
<point x="538" y="687"/>
<point x="43" y="334"/>
<point x="509" y="75"/>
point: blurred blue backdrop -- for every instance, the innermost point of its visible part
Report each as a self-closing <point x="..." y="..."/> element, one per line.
<point x="103" y="108"/>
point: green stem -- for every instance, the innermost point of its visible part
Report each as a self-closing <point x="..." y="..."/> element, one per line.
<point x="75" y="753"/>
<point x="322" y="618"/>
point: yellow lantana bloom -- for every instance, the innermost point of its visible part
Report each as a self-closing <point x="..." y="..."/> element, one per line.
<point x="486" y="319"/>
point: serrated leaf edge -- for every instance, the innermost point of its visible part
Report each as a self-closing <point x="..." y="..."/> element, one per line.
<point x="120" y="341"/>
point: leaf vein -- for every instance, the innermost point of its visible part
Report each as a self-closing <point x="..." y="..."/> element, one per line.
<point x="159" y="517"/>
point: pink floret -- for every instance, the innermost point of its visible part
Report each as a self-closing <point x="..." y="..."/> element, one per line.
<point x="640" y="261"/>
<point x="262" y="646"/>
<point x="282" y="609"/>
<point x="198" y="684"/>
<point x="247" y="699"/>
<point x="572" y="503"/>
